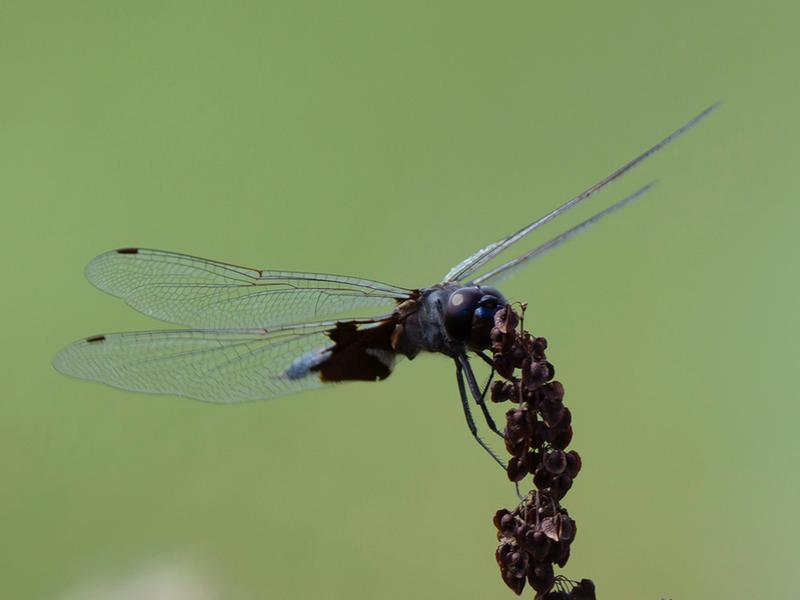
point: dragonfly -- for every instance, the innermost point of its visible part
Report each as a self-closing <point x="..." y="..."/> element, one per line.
<point x="256" y="334"/>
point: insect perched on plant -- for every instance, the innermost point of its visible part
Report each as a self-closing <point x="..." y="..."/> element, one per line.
<point x="258" y="333"/>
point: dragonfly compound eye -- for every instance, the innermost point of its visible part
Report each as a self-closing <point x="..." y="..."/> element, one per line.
<point x="469" y="311"/>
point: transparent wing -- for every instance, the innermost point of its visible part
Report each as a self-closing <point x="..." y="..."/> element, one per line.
<point x="469" y="266"/>
<point x="213" y="366"/>
<point x="208" y="294"/>
<point x="498" y="274"/>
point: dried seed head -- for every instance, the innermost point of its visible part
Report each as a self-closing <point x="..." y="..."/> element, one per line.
<point x="538" y="533"/>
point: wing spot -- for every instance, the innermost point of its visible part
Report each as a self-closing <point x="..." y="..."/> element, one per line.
<point x="128" y="251"/>
<point x="96" y="338"/>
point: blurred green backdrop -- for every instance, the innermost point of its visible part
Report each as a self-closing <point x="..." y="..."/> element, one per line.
<point x="390" y="140"/>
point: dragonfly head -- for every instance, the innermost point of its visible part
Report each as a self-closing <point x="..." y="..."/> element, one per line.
<point x="469" y="315"/>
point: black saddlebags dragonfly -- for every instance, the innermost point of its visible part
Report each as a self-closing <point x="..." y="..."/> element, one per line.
<point x="259" y="333"/>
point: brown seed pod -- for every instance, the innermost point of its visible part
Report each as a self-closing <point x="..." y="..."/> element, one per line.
<point x="561" y="439"/>
<point x="574" y="463"/>
<point x="555" y="462"/>
<point x="560" y="486"/>
<point x="540" y="576"/>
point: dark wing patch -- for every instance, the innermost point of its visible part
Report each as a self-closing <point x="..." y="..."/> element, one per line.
<point x="359" y="354"/>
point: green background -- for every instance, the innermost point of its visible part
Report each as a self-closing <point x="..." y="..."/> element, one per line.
<point x="390" y="140"/>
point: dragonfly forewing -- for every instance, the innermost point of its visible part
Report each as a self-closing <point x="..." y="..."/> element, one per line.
<point x="207" y="294"/>
<point x="472" y="264"/>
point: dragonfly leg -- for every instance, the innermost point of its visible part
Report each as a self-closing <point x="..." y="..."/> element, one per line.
<point x="486" y="359"/>
<point x="480" y="397"/>
<point x="468" y="414"/>
<point x="489" y="362"/>
<point x="471" y="423"/>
